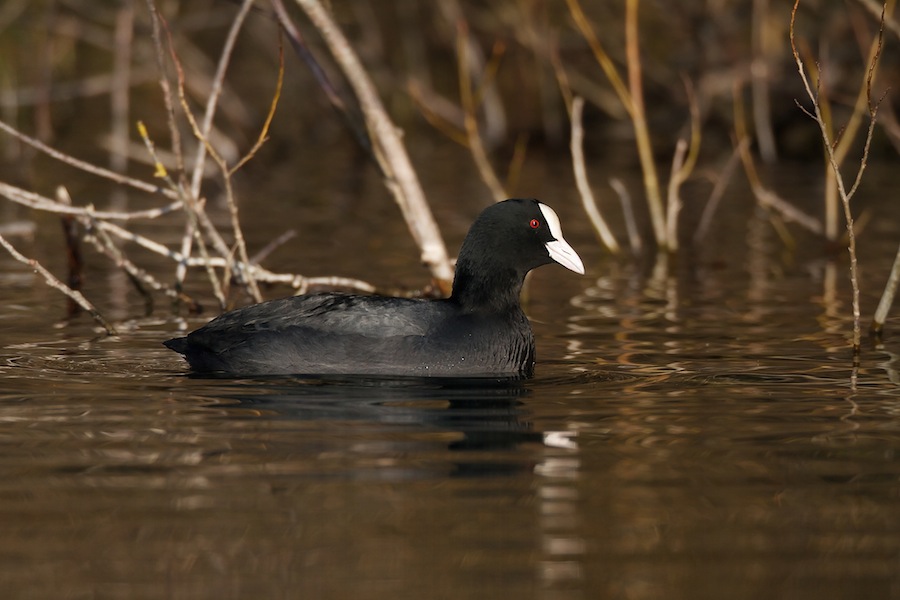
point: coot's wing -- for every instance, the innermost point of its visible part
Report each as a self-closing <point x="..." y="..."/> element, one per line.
<point x="329" y="314"/>
<point x="321" y="333"/>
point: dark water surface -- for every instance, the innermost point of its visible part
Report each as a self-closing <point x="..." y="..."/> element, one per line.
<point x="695" y="431"/>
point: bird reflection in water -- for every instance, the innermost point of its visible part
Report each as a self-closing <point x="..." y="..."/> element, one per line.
<point x="481" y="422"/>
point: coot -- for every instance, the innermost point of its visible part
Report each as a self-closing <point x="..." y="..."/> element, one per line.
<point x="480" y="330"/>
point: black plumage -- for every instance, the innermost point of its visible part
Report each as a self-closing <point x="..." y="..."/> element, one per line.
<point x="480" y="330"/>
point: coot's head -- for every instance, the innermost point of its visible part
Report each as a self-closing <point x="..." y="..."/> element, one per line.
<point x="507" y="240"/>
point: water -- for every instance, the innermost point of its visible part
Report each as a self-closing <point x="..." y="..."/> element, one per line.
<point x="694" y="430"/>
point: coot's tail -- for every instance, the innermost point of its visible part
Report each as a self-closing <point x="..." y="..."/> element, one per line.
<point x="179" y="345"/>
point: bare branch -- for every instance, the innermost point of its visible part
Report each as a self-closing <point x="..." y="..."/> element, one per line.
<point x="634" y="237"/>
<point x="470" y="119"/>
<point x="581" y="180"/>
<point x="55" y="283"/>
<point x="402" y="180"/>
<point x="39" y="202"/>
<point x="86" y="166"/>
<point x="835" y="166"/>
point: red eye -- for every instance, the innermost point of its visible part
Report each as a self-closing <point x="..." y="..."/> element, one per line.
<point x="535" y="223"/>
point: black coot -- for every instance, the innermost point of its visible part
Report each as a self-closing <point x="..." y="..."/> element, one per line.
<point x="480" y="330"/>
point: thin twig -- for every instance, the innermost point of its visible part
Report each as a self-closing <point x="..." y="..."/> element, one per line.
<point x="634" y="236"/>
<point x="486" y="96"/>
<point x="55" y="283"/>
<point x="39" y="202"/>
<point x="86" y="166"/>
<point x="215" y="262"/>
<point x="104" y="244"/>
<point x="600" y="54"/>
<point x="718" y="191"/>
<point x="195" y="214"/>
<point x="842" y="147"/>
<point x="168" y="101"/>
<point x="844" y="194"/>
<point x="264" y="131"/>
<point x="262" y="254"/>
<point x="887" y="297"/>
<point x="470" y="119"/>
<point x="201" y="132"/>
<point x="73" y="249"/>
<point x="119" y="97"/>
<point x="212" y="100"/>
<point x="401" y="177"/>
<point x="337" y="103"/>
<point x="520" y="149"/>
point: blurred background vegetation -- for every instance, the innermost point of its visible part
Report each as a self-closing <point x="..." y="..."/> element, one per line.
<point x="58" y="61"/>
<point x="79" y="74"/>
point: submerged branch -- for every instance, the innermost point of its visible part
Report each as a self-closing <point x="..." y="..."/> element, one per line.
<point x="56" y="284"/>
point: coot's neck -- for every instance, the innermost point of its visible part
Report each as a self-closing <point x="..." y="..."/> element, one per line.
<point x="487" y="288"/>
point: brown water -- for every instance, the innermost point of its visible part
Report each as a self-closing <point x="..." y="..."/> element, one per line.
<point x="695" y="431"/>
